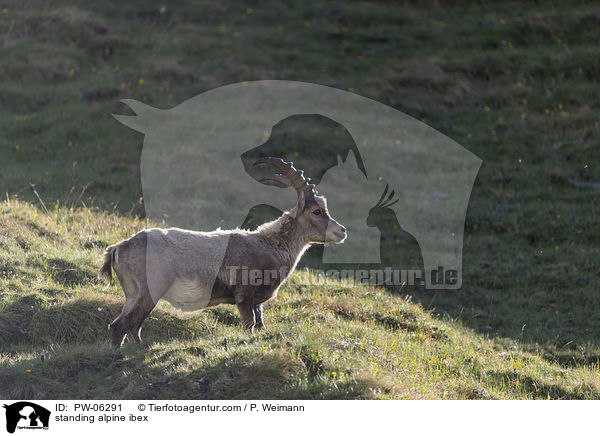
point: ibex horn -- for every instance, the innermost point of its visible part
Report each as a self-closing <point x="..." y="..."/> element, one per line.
<point x="288" y="175"/>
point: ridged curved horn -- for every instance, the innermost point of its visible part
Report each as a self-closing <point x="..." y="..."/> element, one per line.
<point x="287" y="171"/>
<point x="278" y="179"/>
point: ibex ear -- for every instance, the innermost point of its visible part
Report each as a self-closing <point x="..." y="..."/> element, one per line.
<point x="301" y="202"/>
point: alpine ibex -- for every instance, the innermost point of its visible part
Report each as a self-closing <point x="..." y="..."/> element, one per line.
<point x="193" y="270"/>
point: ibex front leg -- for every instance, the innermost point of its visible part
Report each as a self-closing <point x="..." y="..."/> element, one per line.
<point x="258" y="316"/>
<point x="244" y="299"/>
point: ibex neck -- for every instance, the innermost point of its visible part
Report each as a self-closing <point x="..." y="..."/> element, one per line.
<point x="285" y="235"/>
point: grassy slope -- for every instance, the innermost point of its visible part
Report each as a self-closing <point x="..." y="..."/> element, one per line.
<point x="516" y="84"/>
<point x="327" y="340"/>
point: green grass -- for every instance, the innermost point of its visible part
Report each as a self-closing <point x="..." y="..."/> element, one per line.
<point x="323" y="340"/>
<point x="515" y="83"/>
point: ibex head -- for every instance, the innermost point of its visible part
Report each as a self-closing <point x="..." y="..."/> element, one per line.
<point x="382" y="211"/>
<point x="312" y="215"/>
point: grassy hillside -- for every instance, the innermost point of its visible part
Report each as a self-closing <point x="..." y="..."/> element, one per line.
<point x="329" y="340"/>
<point x="515" y="83"/>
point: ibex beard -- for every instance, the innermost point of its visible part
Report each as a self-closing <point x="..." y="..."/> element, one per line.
<point x="194" y="270"/>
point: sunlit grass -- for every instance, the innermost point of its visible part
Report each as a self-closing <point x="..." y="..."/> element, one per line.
<point x="326" y="340"/>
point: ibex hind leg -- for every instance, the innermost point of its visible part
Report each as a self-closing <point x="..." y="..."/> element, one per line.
<point x="141" y="308"/>
<point x="117" y="328"/>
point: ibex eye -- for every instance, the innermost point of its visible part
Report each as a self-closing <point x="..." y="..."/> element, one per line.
<point x="317" y="212"/>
